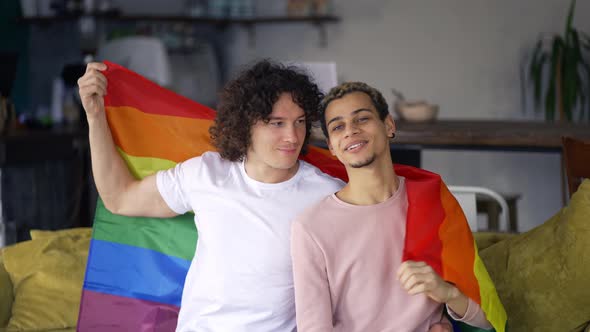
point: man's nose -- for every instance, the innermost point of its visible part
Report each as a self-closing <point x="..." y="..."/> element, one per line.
<point x="291" y="134"/>
<point x="351" y="129"/>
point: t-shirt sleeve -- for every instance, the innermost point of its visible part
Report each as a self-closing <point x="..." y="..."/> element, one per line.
<point x="171" y="187"/>
<point x="313" y="303"/>
<point x="474" y="316"/>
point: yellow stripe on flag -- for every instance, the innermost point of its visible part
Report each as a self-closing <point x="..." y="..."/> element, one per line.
<point x="490" y="301"/>
<point x="141" y="167"/>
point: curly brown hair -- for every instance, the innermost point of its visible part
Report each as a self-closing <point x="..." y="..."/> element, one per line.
<point x="251" y="96"/>
<point x="342" y="90"/>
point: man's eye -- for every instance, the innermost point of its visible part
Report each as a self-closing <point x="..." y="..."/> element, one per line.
<point x="276" y="124"/>
<point x="363" y="119"/>
<point x="301" y="121"/>
<point x="338" y="127"/>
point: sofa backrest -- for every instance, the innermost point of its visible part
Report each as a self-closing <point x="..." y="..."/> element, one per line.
<point x="6" y="294"/>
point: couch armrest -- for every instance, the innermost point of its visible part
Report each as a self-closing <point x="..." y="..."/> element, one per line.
<point x="6" y="294"/>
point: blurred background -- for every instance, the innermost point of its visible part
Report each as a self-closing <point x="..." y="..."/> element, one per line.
<point x="472" y="59"/>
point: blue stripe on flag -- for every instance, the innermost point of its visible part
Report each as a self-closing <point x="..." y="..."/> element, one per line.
<point x="135" y="272"/>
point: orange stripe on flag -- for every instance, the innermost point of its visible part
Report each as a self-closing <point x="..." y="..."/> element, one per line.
<point x="160" y="136"/>
<point x="458" y="250"/>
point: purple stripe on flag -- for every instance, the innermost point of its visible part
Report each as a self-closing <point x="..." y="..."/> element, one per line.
<point x="110" y="313"/>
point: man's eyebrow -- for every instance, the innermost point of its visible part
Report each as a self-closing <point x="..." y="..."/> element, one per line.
<point x="282" y="118"/>
<point x="333" y="119"/>
<point x="361" y="110"/>
<point x="352" y="113"/>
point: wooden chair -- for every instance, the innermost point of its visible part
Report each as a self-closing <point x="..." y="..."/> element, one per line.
<point x="576" y="157"/>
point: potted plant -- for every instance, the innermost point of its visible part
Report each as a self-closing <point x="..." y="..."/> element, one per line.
<point x="560" y="73"/>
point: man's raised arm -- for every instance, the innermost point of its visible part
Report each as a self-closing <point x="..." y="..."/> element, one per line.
<point x="120" y="191"/>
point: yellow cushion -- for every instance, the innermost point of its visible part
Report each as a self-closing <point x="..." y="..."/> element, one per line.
<point x="6" y="294"/>
<point x="542" y="276"/>
<point x="486" y="239"/>
<point x="38" y="234"/>
<point x="47" y="274"/>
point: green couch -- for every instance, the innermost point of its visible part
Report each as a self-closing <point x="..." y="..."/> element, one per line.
<point x="542" y="276"/>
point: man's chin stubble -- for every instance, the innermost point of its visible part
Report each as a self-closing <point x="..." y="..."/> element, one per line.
<point x="367" y="162"/>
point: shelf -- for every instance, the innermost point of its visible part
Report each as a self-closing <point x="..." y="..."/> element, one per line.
<point x="185" y="19"/>
<point x="488" y="135"/>
<point x="35" y="145"/>
<point x="249" y="23"/>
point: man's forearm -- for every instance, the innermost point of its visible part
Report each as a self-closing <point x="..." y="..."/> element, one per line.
<point x="111" y="175"/>
<point x="473" y="315"/>
<point x="458" y="303"/>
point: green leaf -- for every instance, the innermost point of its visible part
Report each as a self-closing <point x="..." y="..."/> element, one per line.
<point x="568" y="73"/>
<point x="582" y="103"/>
<point x="550" y="102"/>
<point x="523" y="84"/>
<point x="537" y="78"/>
<point x="584" y="58"/>
<point x="585" y="107"/>
<point x="585" y="41"/>
<point x="570" y="16"/>
<point x="537" y="53"/>
<point x="577" y="65"/>
<point x="538" y="60"/>
<point x="582" y="69"/>
<point x="569" y="79"/>
<point x="576" y="46"/>
<point x="550" y="97"/>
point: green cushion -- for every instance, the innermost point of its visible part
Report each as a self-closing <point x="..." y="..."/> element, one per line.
<point x="543" y="276"/>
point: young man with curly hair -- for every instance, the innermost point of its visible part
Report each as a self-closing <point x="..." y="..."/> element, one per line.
<point x="244" y="196"/>
<point x="347" y="249"/>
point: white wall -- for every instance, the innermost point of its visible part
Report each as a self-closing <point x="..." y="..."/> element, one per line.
<point x="462" y="54"/>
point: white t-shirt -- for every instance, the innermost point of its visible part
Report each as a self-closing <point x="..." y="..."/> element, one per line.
<point x="241" y="277"/>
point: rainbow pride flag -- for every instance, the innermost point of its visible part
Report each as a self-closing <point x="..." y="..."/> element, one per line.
<point x="137" y="266"/>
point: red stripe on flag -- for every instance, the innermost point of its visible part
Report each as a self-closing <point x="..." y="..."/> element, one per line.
<point x="425" y="216"/>
<point x="322" y="159"/>
<point x="161" y="101"/>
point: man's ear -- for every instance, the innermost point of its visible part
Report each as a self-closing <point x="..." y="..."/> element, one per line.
<point x="389" y="125"/>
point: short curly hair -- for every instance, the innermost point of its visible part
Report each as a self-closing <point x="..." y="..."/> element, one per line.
<point x="343" y="89"/>
<point x="250" y="97"/>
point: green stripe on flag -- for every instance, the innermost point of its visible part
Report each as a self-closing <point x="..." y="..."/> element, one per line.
<point x="171" y="236"/>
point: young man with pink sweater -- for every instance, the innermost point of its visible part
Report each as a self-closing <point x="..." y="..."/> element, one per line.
<point x="347" y="249"/>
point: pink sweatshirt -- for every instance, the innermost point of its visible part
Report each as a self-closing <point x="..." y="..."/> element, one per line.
<point x="345" y="259"/>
